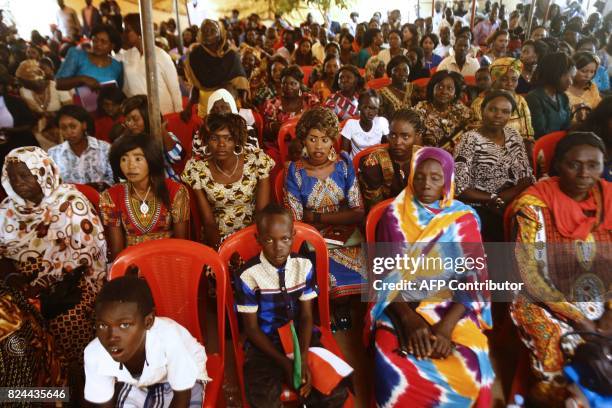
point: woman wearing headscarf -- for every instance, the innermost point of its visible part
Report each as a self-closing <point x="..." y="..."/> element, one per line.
<point x="430" y="349"/>
<point x="566" y="284"/>
<point x="213" y="64"/>
<point x="505" y="73"/>
<point x="55" y="241"/>
<point x="43" y="99"/>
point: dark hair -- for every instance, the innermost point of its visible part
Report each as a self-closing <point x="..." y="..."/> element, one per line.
<point x="420" y="56"/>
<point x="598" y="119"/>
<point x="330" y="45"/>
<point x="277" y="59"/>
<point x="415" y="34"/>
<point x="496" y="34"/>
<point x="539" y="46"/>
<point x="346" y="35"/>
<point x="77" y="112"/>
<point x="319" y="118"/>
<point x="235" y="124"/>
<point x="269" y="211"/>
<point x="551" y="68"/>
<point x="432" y="37"/>
<point x="110" y="93"/>
<point x="395" y="31"/>
<point x="293" y="71"/>
<point x="113" y="34"/>
<point x="360" y="83"/>
<point x="127" y="289"/>
<point x="410" y="116"/>
<point x="48" y="61"/>
<point x="152" y="150"/>
<point x="368" y="37"/>
<point x="552" y="43"/>
<point x="367" y="93"/>
<point x="140" y="103"/>
<point x="440" y="76"/>
<point x="583" y="58"/>
<point x="571" y="140"/>
<point x="133" y="20"/>
<point x="466" y="32"/>
<point x="395" y="61"/>
<point x="498" y="93"/>
<point x="483" y="69"/>
<point x="587" y="40"/>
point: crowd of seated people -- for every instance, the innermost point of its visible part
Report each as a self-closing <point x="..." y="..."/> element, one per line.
<point x="469" y="134"/>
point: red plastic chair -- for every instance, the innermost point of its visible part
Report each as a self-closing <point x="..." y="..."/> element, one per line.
<point x="173" y="268"/>
<point x="543" y="151"/>
<point x="378" y="83"/>
<point x="365" y="152"/>
<point x="244" y="243"/>
<point x="421" y="82"/>
<point x="91" y="193"/>
<point x="279" y="182"/>
<point x="307" y="70"/>
<point x="470" y="80"/>
<point x="432" y="70"/>
<point x="286" y="133"/>
<point x="373" y="217"/>
<point x="184" y="132"/>
<point x="259" y="126"/>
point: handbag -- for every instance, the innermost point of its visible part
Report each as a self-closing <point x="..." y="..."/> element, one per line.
<point x="64" y="295"/>
<point x="592" y="360"/>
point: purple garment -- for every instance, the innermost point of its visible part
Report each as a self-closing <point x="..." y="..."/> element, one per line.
<point x="483" y="30"/>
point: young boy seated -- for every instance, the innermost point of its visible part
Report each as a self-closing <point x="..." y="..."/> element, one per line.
<point x="138" y="359"/>
<point x="273" y="289"/>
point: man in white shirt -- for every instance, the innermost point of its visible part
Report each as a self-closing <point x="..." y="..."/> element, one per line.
<point x="67" y="20"/>
<point x="134" y="71"/>
<point x="460" y="62"/>
<point x="444" y="47"/>
<point x="352" y="25"/>
<point x="438" y="16"/>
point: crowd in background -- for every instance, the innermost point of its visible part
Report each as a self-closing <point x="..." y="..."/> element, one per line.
<point x="245" y="104"/>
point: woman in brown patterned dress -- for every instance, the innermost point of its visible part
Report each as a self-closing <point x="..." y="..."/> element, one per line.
<point x="230" y="180"/>
<point x="54" y="238"/>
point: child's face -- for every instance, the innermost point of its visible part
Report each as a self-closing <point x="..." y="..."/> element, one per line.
<point x="122" y="329"/>
<point x="275" y="235"/>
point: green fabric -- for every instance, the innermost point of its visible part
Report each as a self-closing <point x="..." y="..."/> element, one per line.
<point x="297" y="359"/>
<point x="546" y="116"/>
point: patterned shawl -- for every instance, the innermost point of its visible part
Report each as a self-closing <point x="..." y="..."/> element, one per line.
<point x="501" y="66"/>
<point x="63" y="231"/>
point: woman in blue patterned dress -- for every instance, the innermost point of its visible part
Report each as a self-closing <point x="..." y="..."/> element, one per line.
<point x="321" y="189"/>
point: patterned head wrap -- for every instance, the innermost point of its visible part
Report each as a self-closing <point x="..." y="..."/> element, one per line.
<point x="29" y="70"/>
<point x="501" y="66"/>
<point x="448" y="167"/>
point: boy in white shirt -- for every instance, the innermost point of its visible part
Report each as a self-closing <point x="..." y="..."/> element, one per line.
<point x="369" y="129"/>
<point x="154" y="359"/>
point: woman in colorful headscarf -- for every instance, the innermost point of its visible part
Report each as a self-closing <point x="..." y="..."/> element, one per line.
<point x="505" y="73"/>
<point x="213" y="64"/>
<point x="430" y="349"/>
<point x="566" y="284"/>
<point x="54" y="238"/>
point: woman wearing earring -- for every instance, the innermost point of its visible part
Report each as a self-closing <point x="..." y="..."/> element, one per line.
<point x="230" y="180"/>
<point x="321" y="189"/>
<point x="148" y="205"/>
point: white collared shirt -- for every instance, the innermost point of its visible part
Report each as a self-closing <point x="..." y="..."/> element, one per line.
<point x="135" y="78"/>
<point x="172" y="356"/>
<point x="92" y="166"/>
<point x="469" y="68"/>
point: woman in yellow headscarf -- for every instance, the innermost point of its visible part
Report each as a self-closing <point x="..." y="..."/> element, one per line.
<point x="505" y="73"/>
<point x="213" y="64"/>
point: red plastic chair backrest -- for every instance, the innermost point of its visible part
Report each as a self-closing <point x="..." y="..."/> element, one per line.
<point x="543" y="151"/>
<point x="286" y="131"/>
<point x="244" y="244"/>
<point x="421" y="82"/>
<point x="91" y="193"/>
<point x="307" y="70"/>
<point x="279" y="183"/>
<point x="432" y="70"/>
<point x="378" y="83"/>
<point x="470" y="80"/>
<point x="365" y="152"/>
<point x="259" y="126"/>
<point x="173" y="268"/>
<point x="373" y="217"/>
